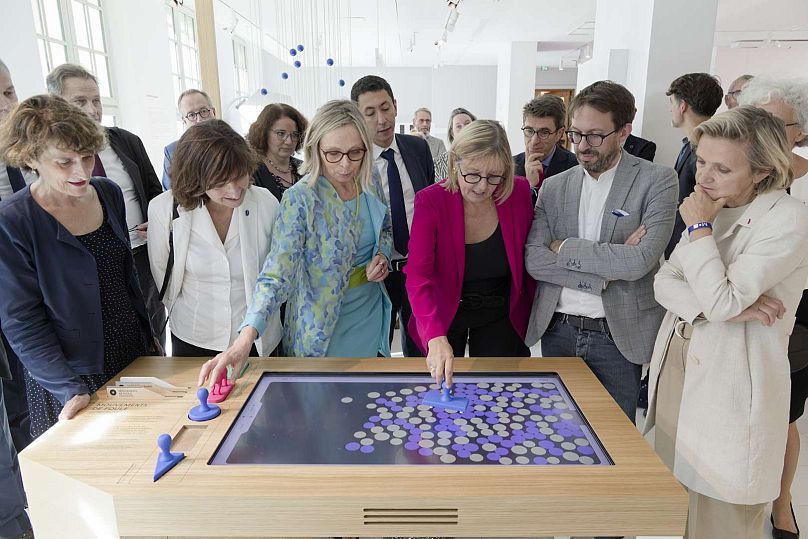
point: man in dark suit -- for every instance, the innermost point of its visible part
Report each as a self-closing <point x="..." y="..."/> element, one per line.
<point x="12" y="180"/>
<point x="404" y="164"/>
<point x="639" y="147"/>
<point x="543" y="121"/>
<point x="694" y="98"/>
<point x="126" y="163"/>
<point x="195" y="106"/>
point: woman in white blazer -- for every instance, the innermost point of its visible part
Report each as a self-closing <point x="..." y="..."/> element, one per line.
<point x="720" y="373"/>
<point x="221" y="237"/>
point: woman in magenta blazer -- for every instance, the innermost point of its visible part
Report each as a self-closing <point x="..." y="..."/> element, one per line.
<point x="466" y="276"/>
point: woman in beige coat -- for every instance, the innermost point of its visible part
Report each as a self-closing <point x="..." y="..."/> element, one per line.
<point x="720" y="372"/>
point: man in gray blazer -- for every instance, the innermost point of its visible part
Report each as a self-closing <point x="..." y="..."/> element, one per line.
<point x="598" y="233"/>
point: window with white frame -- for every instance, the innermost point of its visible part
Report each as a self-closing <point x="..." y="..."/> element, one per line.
<point x="184" y="49"/>
<point x="73" y="31"/>
<point x="240" y="71"/>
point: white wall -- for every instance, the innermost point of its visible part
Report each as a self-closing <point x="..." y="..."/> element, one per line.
<point x="556" y="79"/>
<point x="18" y="47"/>
<point x="516" y="85"/>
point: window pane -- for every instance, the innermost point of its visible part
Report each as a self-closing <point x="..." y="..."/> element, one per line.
<point x="80" y="25"/>
<point x="170" y="23"/>
<point x="37" y="17"/>
<point x="102" y="73"/>
<point x="93" y="2"/>
<point x="86" y="60"/>
<point x="53" y="19"/>
<point x="58" y="54"/>
<point x="96" y="29"/>
<point x="174" y="60"/>
<point x="43" y="57"/>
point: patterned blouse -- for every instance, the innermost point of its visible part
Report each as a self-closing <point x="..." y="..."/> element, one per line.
<point x="314" y="243"/>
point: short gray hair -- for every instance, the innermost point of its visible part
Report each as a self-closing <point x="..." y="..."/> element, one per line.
<point x="191" y="91"/>
<point x="56" y="78"/>
<point x="422" y="109"/>
<point x="792" y="92"/>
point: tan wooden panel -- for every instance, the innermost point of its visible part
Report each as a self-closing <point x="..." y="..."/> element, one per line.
<point x="103" y="463"/>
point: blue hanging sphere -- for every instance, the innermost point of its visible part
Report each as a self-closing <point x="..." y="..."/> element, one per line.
<point x="341" y="82"/>
<point x="284" y="75"/>
<point x="293" y="52"/>
<point x="300" y="48"/>
<point x="329" y="62"/>
<point x="264" y="91"/>
<point x="297" y="63"/>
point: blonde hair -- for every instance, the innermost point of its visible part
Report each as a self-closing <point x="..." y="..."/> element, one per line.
<point x="764" y="137"/>
<point x="482" y="139"/>
<point x="333" y="115"/>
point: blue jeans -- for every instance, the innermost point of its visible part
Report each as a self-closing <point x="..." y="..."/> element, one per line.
<point x="13" y="520"/>
<point x="619" y="376"/>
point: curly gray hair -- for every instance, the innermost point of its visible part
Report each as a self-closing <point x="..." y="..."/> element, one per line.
<point x="792" y="92"/>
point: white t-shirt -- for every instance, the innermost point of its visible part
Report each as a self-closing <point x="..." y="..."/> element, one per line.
<point x="117" y="173"/>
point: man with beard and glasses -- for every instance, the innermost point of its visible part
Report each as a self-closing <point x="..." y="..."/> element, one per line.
<point x="598" y="233"/>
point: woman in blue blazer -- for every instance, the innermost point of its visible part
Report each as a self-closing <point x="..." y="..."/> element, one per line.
<point x="71" y="308"/>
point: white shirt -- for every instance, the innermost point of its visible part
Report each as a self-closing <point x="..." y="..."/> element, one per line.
<point x="117" y="173"/>
<point x="214" y="275"/>
<point x="590" y="218"/>
<point x="5" y="183"/>
<point x="406" y="183"/>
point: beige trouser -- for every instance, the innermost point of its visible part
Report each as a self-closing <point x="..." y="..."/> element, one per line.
<point x="707" y="518"/>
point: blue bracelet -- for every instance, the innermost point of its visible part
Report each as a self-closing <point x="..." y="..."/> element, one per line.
<point x="696" y="226"/>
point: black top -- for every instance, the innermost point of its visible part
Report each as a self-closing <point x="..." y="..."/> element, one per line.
<point x="265" y="178"/>
<point x="486" y="283"/>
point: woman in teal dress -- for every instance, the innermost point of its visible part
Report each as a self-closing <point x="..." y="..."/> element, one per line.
<point x="330" y="249"/>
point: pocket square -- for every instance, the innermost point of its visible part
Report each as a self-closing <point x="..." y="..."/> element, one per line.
<point x="620" y="213"/>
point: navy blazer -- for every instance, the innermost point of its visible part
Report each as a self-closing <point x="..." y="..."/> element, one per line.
<point x="562" y="160"/>
<point x="640" y="147"/>
<point x="132" y="153"/>
<point x="686" y="169"/>
<point x="50" y="308"/>
<point x="418" y="160"/>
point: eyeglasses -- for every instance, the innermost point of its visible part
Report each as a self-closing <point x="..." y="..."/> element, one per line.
<point x="592" y="139"/>
<point x="475" y="178"/>
<point x="735" y="93"/>
<point x="335" y="156"/>
<point x="283" y="135"/>
<point x="792" y="124"/>
<point x="201" y="113"/>
<point x="543" y="134"/>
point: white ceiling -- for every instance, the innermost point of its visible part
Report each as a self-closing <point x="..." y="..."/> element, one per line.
<point x="404" y="32"/>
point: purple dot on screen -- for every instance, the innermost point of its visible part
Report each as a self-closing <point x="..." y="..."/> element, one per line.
<point x="395" y="408"/>
<point x="490" y="414"/>
<point x="540" y="460"/>
<point x="425" y="451"/>
<point x="508" y="443"/>
<point x="463" y="454"/>
<point x="547" y="444"/>
<point x="366" y="449"/>
<point x="380" y="400"/>
<point x="510" y="410"/>
<point x="374" y="418"/>
<point x="556" y="451"/>
<point x="441" y="428"/>
<point x="585" y="450"/>
<point x="471" y="447"/>
<point x="495" y="438"/>
<point x="368" y="425"/>
<point x="412" y="446"/>
<point x="482" y="440"/>
<point x="492" y="456"/>
<point x="414" y="438"/>
<point x="501" y="451"/>
<point x="352" y="446"/>
<point x="386" y="422"/>
<point x="506" y="394"/>
<point x="540" y="436"/>
<point x="492" y="420"/>
<point x="534" y="408"/>
<point x="399" y="421"/>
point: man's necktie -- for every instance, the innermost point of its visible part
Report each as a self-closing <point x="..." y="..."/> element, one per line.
<point x="98" y="168"/>
<point x="401" y="232"/>
<point x="15" y="179"/>
<point x="682" y="153"/>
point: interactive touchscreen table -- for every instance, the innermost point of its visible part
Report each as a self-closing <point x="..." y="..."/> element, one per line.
<point x="337" y="447"/>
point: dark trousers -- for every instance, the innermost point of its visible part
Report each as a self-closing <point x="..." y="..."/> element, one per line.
<point x="619" y="376"/>
<point x="13" y="520"/>
<point x="180" y="348"/>
<point x="395" y="285"/>
<point x="155" y="308"/>
<point x="16" y="402"/>
<point x="495" y="339"/>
